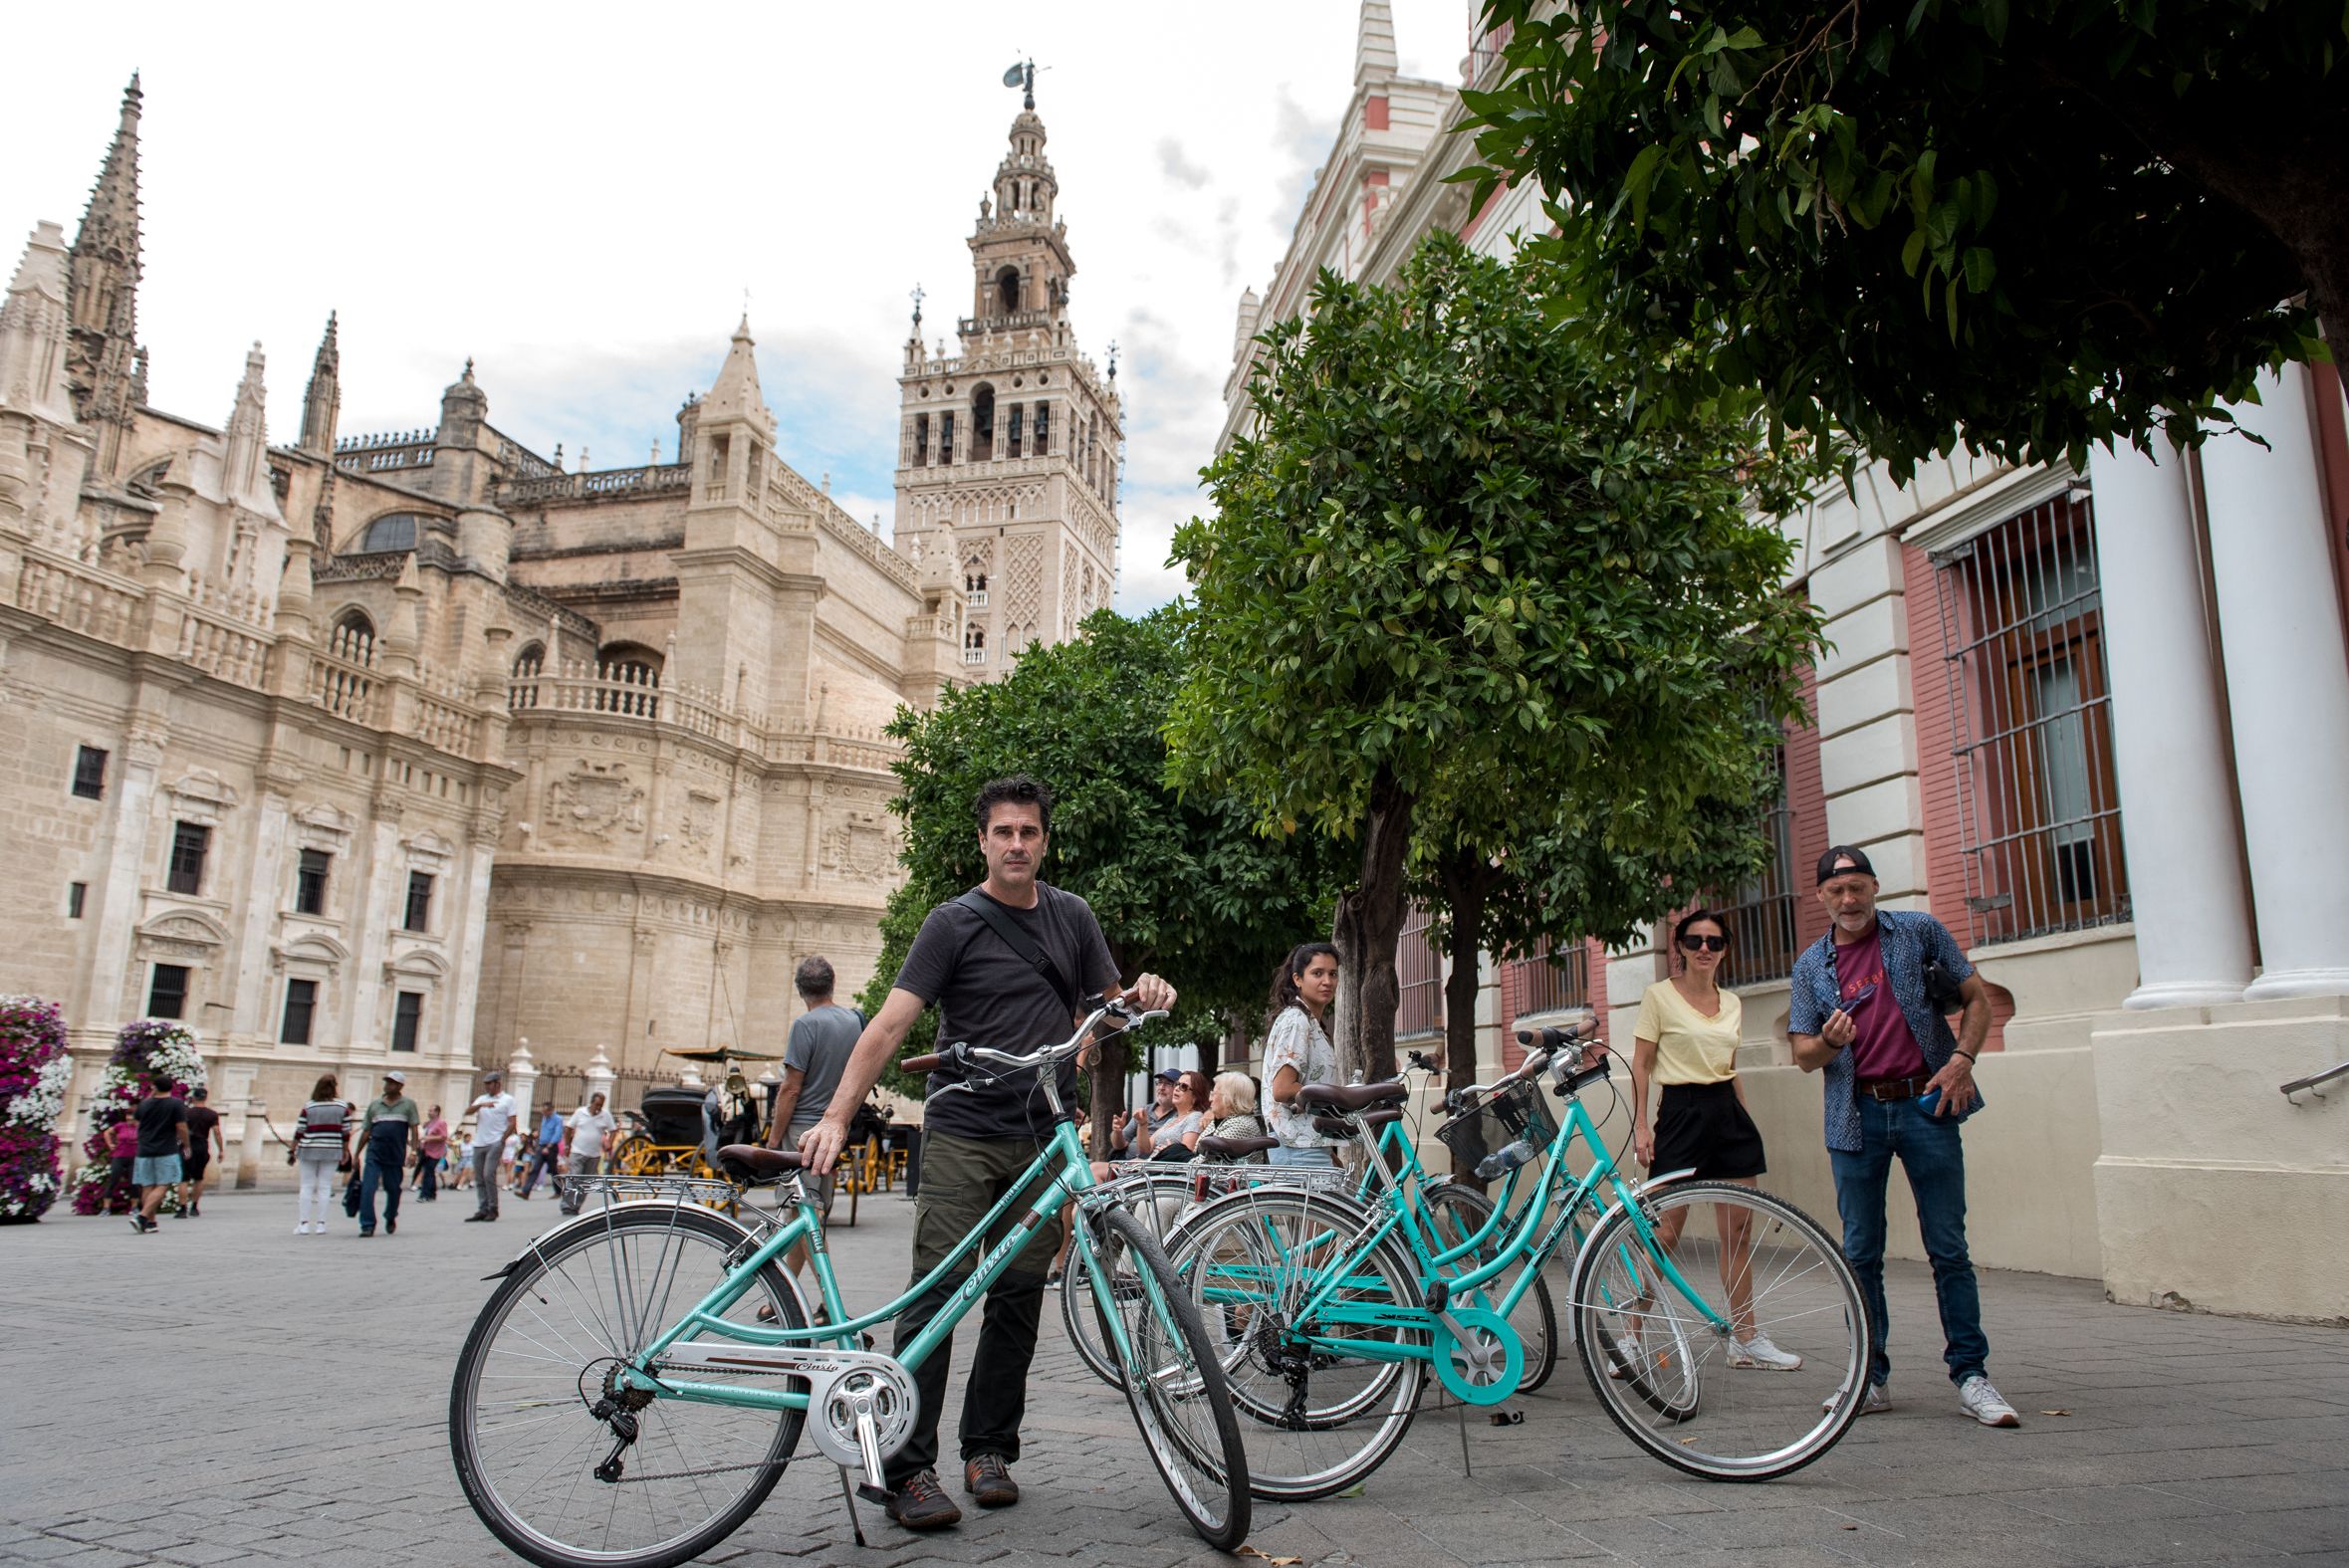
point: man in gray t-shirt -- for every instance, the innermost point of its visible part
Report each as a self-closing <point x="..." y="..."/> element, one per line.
<point x="820" y="1042"/>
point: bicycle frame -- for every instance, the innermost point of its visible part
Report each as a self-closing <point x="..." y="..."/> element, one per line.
<point x="1070" y="1172"/>
<point x="1521" y="1251"/>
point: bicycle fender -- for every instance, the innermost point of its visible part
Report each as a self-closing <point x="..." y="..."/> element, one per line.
<point x="1456" y="1366"/>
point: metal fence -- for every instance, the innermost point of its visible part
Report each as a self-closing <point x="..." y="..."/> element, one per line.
<point x="1550" y="981"/>
<point x="2032" y="740"/>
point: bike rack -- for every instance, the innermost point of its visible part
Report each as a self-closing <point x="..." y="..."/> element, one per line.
<point x="2315" y="1082"/>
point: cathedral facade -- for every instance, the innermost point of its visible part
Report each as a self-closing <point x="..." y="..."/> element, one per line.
<point x="407" y="747"/>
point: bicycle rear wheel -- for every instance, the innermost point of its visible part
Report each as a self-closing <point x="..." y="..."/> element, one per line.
<point x="544" y="1350"/>
<point x="1177" y="1391"/>
<point x="1456" y="1212"/>
<point x="1323" y="1400"/>
<point x="1752" y="1269"/>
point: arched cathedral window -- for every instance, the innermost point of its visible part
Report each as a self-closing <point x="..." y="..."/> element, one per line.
<point x="982" y="422"/>
<point x="1007" y="289"/>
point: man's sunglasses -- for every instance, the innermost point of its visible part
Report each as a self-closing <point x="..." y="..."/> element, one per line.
<point x="1709" y="944"/>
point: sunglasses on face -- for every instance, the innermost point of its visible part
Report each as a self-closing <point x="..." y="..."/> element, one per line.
<point x="1707" y="944"/>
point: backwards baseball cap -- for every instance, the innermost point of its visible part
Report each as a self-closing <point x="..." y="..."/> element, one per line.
<point x="493" y="1076"/>
<point x="1168" y="1075"/>
<point x="1840" y="858"/>
<point x="395" y="1076"/>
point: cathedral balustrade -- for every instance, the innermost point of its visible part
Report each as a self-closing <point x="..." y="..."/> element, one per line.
<point x="648" y="480"/>
<point x="81" y="599"/>
<point x="221" y="648"/>
<point x="787" y="487"/>
<point x="1017" y="321"/>
<point x="340" y="683"/>
<point x="626" y="690"/>
<point x="447" y="724"/>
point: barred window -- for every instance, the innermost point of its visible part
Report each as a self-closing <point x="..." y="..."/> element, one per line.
<point x="300" y="1007"/>
<point x="1548" y="981"/>
<point x="408" y="1016"/>
<point x="2024" y="652"/>
<point x="419" y="911"/>
<point x="309" y="882"/>
<point x="190" y="842"/>
<point x="1420" y="968"/>
<point x="1763" y="941"/>
<point x="166" y="992"/>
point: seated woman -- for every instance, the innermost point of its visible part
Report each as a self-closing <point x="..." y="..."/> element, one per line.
<point x="1230" y="1113"/>
<point x="1174" y="1138"/>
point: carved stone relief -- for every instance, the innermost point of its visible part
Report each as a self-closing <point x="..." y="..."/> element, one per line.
<point x="595" y="802"/>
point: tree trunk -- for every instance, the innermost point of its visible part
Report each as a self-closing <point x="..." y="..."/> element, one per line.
<point x="1370" y="922"/>
<point x="1467" y="881"/>
<point x="1108" y="1098"/>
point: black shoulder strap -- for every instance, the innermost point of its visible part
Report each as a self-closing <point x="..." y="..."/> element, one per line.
<point x="1019" y="941"/>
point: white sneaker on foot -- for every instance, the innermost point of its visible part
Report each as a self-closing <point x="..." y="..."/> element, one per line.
<point x="1875" y="1402"/>
<point x="1628" y="1354"/>
<point x="1759" y="1353"/>
<point x="1985" y="1404"/>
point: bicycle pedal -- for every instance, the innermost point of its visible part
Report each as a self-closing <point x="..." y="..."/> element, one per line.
<point x="878" y="1496"/>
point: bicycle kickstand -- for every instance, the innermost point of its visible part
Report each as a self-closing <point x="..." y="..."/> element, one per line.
<point x="849" y="1500"/>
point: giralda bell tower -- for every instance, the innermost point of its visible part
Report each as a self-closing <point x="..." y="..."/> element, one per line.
<point x="1008" y="453"/>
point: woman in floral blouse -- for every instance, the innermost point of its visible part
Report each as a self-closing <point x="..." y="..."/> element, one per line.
<point x="1298" y="1050"/>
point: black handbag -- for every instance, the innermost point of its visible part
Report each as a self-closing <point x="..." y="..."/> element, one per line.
<point x="1945" y="994"/>
<point x="351" y="1195"/>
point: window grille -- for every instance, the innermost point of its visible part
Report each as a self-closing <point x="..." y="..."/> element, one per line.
<point x="89" y="774"/>
<point x="301" y="1007"/>
<point x="407" y="1016"/>
<point x="166" y="992"/>
<point x="1420" y="967"/>
<point x="419" y="910"/>
<point x="1763" y="944"/>
<point x="309" y="882"/>
<point x="2031" y="726"/>
<point x="1548" y="981"/>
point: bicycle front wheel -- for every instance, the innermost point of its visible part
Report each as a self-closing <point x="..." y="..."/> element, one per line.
<point x="1324" y="1387"/>
<point x="1156" y="1200"/>
<point x="545" y="1350"/>
<point x="1176" y="1389"/>
<point x="1722" y="1330"/>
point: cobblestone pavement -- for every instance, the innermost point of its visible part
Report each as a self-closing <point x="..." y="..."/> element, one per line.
<point x="227" y="1392"/>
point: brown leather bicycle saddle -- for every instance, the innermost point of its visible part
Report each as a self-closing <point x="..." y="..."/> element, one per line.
<point x="1349" y="1097"/>
<point x="1236" y="1148"/>
<point x="1337" y="1127"/>
<point x="753" y="1163"/>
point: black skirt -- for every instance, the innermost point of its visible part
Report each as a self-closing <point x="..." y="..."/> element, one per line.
<point x="1704" y="1126"/>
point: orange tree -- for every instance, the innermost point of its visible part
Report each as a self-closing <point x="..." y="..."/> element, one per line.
<point x="1458" y="603"/>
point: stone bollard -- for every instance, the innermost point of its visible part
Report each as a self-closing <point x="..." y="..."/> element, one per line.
<point x="250" y="1138"/>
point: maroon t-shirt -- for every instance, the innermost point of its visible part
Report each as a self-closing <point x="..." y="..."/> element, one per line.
<point x="1884" y="1048"/>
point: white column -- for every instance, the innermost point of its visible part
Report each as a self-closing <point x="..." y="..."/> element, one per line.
<point x="2169" y="742"/>
<point x="522" y="1081"/>
<point x="2287" y="685"/>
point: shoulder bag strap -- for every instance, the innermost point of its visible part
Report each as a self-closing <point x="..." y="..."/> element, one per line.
<point x="1018" y="941"/>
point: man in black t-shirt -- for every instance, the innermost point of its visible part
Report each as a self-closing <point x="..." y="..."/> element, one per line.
<point x="979" y="1137"/>
<point x="203" y="1140"/>
<point x="162" y="1143"/>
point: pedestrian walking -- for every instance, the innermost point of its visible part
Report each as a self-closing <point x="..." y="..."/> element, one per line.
<point x="433" y="1148"/>
<point x="322" y="1146"/>
<point x="1298" y="1050"/>
<point x="589" y="1133"/>
<point x="546" y="1150"/>
<point x="203" y="1142"/>
<point x="815" y="1054"/>
<point x="493" y="1117"/>
<point x="1870" y="1007"/>
<point x="391" y="1117"/>
<point x="1006" y="963"/>
<point x="1685" y="1041"/>
<point x="163" y="1144"/>
<point x="121" y="1160"/>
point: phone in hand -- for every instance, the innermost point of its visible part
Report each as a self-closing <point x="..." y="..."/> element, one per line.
<point x="1930" y="1104"/>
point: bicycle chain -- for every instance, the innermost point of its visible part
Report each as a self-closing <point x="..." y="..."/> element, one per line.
<point x="718" y="1470"/>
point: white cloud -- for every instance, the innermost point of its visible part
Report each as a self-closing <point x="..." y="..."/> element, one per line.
<point x="577" y="200"/>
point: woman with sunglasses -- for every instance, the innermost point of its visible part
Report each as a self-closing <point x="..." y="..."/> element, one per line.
<point x="1685" y="1041"/>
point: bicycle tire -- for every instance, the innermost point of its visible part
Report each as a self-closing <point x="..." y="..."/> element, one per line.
<point x="1750" y="1424"/>
<point x="1535" y="1317"/>
<point x="1080" y="1313"/>
<point x="1205" y="1468"/>
<point x="1300" y="1445"/>
<point x="692" y="1239"/>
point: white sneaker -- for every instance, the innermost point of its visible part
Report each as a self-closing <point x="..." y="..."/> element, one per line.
<point x="1985" y="1404"/>
<point x="1760" y="1354"/>
<point x="302" y="1228"/>
<point x="1875" y="1402"/>
<point x="1628" y="1354"/>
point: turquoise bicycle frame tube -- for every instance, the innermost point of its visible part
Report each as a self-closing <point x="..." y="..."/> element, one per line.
<point x="1063" y="1156"/>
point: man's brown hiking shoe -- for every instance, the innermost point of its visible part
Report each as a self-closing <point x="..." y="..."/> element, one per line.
<point x="922" y="1504"/>
<point x="989" y="1482"/>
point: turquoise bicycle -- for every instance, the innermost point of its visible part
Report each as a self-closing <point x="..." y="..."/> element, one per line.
<point x="636" y="1385"/>
<point x="1720" y="1327"/>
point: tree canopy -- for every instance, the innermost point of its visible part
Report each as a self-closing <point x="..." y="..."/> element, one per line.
<point x="2032" y="224"/>
<point x="1455" y="595"/>
<point x="1183" y="883"/>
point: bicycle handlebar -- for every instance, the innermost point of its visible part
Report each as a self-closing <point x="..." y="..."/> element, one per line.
<point x="963" y="1053"/>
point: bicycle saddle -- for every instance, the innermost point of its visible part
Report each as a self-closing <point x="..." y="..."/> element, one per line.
<point x="1236" y="1148"/>
<point x="750" y="1162"/>
<point x="1336" y="1127"/>
<point x="1349" y="1097"/>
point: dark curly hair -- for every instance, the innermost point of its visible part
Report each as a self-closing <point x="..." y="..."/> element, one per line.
<point x="1285" y="978"/>
<point x="1018" y="788"/>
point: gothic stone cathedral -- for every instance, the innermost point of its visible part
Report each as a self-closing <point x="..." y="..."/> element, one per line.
<point x="404" y="748"/>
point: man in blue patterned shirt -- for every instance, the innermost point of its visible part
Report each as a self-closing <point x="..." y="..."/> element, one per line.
<point x="1898" y="1083"/>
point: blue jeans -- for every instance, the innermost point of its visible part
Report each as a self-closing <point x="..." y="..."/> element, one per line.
<point x="386" y="1174"/>
<point x="1932" y="1155"/>
<point x="1322" y="1159"/>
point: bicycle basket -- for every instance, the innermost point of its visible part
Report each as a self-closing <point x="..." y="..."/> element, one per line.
<point x="1517" y="1116"/>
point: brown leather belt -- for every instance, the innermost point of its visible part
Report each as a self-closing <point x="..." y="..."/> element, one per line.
<point x="1892" y="1089"/>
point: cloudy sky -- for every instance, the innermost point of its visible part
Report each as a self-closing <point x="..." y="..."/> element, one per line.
<point x="577" y="197"/>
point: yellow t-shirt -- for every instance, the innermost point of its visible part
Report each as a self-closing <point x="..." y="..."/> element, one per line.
<point x="1690" y="1047"/>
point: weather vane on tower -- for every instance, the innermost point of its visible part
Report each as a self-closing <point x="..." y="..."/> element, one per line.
<point x="1023" y="75"/>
